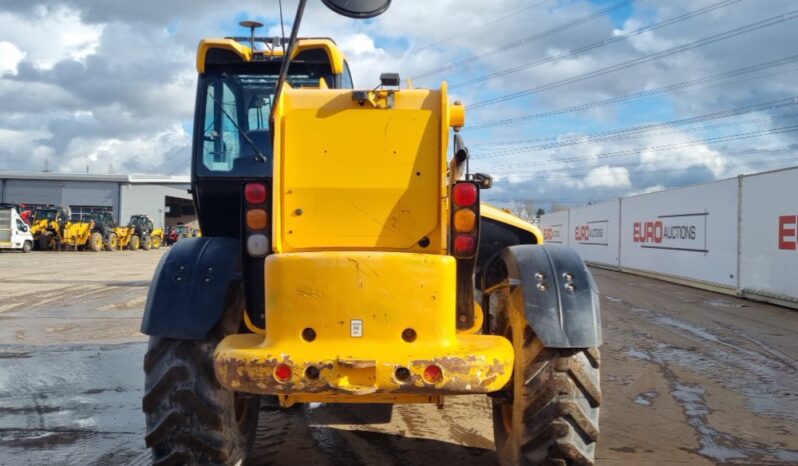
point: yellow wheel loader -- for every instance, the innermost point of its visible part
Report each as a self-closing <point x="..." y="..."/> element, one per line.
<point x="346" y="258"/>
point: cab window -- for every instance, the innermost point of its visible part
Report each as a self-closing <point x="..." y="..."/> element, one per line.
<point x="346" y="79"/>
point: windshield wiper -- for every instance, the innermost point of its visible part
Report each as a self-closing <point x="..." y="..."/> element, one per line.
<point x="258" y="155"/>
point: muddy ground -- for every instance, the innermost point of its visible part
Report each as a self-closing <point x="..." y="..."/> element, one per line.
<point x="689" y="377"/>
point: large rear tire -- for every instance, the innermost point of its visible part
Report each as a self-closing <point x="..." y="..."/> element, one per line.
<point x="190" y="417"/>
<point x="548" y="413"/>
<point x="96" y="241"/>
<point x="113" y="242"/>
<point x="135" y="243"/>
<point x="146" y="243"/>
<point x="156" y="242"/>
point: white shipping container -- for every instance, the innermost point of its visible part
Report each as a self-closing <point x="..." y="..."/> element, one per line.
<point x="769" y="233"/>
<point x="594" y="234"/>
<point x="555" y="227"/>
<point x="687" y="233"/>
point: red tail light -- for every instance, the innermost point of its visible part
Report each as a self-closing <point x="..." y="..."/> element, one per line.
<point x="432" y="374"/>
<point x="282" y="372"/>
<point x="255" y="193"/>
<point x="465" y="194"/>
<point x="464" y="245"/>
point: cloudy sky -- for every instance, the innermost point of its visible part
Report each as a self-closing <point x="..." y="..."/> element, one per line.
<point x="570" y="101"/>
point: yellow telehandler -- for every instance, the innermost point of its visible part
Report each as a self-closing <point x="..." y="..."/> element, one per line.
<point x="346" y="258"/>
<point x="81" y="235"/>
<point x="47" y="227"/>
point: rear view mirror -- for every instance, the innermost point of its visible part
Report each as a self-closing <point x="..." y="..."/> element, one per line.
<point x="360" y="9"/>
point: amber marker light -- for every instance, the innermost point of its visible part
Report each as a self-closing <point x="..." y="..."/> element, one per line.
<point x="465" y="220"/>
<point x="257" y="219"/>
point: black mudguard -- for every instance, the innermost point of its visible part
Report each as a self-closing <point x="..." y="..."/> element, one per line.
<point x="561" y="299"/>
<point x="192" y="285"/>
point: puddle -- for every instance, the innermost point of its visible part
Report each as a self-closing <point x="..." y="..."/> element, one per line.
<point x="647" y="398"/>
<point x="697" y="331"/>
<point x="638" y="354"/>
<point x="719" y="303"/>
<point x="716" y="445"/>
<point x="72" y="404"/>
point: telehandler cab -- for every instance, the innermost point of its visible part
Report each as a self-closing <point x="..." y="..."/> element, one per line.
<point x="346" y="258"/>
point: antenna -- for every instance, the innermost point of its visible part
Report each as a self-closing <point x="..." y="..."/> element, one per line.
<point x="252" y="25"/>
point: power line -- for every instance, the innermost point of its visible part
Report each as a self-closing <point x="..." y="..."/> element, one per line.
<point x="582" y="139"/>
<point x="635" y="151"/>
<point x="682" y="86"/>
<point x="635" y="131"/>
<point x="530" y="39"/>
<point x="692" y="161"/>
<point x="481" y="26"/>
<point x="778" y="19"/>
<point x="595" y="45"/>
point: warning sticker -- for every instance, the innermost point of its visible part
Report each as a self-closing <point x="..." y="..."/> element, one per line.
<point x="356" y="328"/>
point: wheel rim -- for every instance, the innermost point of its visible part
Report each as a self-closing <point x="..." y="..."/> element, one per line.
<point x="510" y="413"/>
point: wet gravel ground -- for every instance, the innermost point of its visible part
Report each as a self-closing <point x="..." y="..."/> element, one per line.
<point x="689" y="377"/>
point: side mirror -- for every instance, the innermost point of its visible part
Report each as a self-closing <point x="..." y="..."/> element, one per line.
<point x="359" y="9"/>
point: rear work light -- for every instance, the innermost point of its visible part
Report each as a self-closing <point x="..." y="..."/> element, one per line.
<point x="257" y="245"/>
<point x="255" y="193"/>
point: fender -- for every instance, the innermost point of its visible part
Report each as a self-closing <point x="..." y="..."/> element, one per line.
<point x="561" y="299"/>
<point x="191" y="287"/>
<point x="499" y="230"/>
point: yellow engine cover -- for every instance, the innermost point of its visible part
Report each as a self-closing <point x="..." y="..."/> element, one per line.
<point x="353" y="175"/>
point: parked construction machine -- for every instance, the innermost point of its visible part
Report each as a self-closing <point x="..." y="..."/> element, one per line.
<point x="149" y="237"/>
<point x="47" y="227"/>
<point x="346" y="258"/>
<point x="81" y="235"/>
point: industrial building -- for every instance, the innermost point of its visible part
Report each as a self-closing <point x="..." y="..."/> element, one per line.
<point x="165" y="199"/>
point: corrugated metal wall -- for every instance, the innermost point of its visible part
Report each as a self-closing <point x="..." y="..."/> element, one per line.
<point x="62" y="193"/>
<point x="123" y="198"/>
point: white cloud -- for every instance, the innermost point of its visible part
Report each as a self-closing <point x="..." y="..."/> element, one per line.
<point x="114" y="83"/>
<point x="608" y="177"/>
<point x="51" y="34"/>
<point x="10" y="56"/>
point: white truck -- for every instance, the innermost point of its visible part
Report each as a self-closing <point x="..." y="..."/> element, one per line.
<point x="14" y="233"/>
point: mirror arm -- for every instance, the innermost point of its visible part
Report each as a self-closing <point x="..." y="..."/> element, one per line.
<point x="286" y="63"/>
